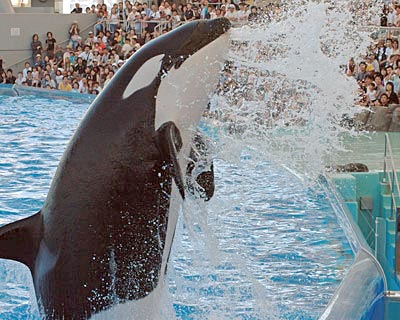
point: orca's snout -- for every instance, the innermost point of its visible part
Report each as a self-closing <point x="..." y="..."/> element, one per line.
<point x="205" y="32"/>
<point x="215" y="27"/>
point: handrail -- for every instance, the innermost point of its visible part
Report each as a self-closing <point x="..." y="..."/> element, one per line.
<point x="381" y="28"/>
<point x="163" y="24"/>
<point x="389" y="31"/>
<point x="390" y="172"/>
<point x="393" y="178"/>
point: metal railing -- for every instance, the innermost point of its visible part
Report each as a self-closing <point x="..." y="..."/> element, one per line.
<point x="382" y="32"/>
<point x="390" y="176"/>
<point x="159" y="25"/>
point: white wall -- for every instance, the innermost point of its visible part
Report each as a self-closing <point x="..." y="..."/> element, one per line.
<point x="6" y="6"/>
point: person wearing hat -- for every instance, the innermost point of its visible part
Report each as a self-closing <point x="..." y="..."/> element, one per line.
<point x="120" y="63"/>
<point x="135" y="18"/>
<point x="231" y="14"/>
<point x="141" y="23"/>
<point x="90" y="40"/>
<point x="223" y="11"/>
<point x="38" y="60"/>
<point x="131" y="18"/>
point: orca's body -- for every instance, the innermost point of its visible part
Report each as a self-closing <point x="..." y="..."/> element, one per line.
<point x="104" y="234"/>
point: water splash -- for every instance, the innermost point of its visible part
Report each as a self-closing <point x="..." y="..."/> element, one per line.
<point x="282" y="98"/>
<point x="283" y="91"/>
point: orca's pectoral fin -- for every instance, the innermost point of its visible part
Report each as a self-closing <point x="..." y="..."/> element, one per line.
<point x="169" y="143"/>
<point x="200" y="169"/>
<point x="20" y="240"/>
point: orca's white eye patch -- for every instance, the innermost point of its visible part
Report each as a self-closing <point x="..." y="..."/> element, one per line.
<point x="144" y="76"/>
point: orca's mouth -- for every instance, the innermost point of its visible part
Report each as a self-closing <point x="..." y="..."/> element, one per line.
<point x="205" y="32"/>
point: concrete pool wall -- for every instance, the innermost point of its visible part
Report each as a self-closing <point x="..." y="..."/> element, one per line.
<point x="17" y="90"/>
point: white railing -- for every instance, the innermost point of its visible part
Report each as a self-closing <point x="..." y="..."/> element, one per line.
<point x="390" y="176"/>
<point x="383" y="32"/>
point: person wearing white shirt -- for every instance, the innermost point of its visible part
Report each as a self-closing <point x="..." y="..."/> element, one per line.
<point x="167" y="9"/>
<point x="212" y="12"/>
<point x="20" y="78"/>
<point x="242" y="14"/>
<point x="389" y="48"/>
<point x="391" y="17"/>
<point x="396" y="22"/>
<point x="26" y="69"/>
<point x="126" y="48"/>
<point x="154" y="14"/>
<point x="175" y="18"/>
<point x="87" y="56"/>
<point x="231" y="14"/>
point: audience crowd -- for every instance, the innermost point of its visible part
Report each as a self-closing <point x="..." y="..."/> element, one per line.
<point x="378" y="74"/>
<point x="87" y="64"/>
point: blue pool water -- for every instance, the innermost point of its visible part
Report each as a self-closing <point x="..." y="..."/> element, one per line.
<point x="264" y="247"/>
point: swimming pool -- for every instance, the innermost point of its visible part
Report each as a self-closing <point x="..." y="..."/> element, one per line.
<point x="265" y="246"/>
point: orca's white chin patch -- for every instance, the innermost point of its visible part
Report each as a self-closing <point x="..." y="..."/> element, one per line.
<point x="155" y="306"/>
<point x="144" y="76"/>
<point x="184" y="93"/>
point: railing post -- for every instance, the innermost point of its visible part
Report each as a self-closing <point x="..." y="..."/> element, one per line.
<point x="384" y="160"/>
<point x="392" y="194"/>
<point x="397" y="251"/>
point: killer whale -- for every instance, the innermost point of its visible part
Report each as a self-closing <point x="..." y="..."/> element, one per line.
<point x="104" y="234"/>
